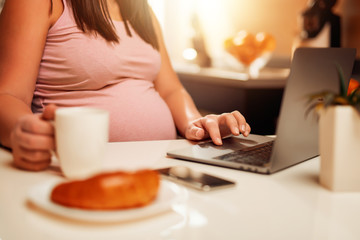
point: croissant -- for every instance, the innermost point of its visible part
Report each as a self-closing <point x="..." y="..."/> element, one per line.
<point x="106" y="191"/>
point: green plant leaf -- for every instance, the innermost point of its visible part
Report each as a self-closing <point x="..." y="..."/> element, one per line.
<point x="311" y="107"/>
<point x="354" y="94"/>
<point x="343" y="88"/>
<point x="325" y="99"/>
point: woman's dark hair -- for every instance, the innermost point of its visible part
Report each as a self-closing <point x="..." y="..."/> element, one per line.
<point x="93" y="16"/>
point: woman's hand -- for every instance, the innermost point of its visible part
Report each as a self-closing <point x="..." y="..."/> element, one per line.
<point x="217" y="126"/>
<point x="32" y="139"/>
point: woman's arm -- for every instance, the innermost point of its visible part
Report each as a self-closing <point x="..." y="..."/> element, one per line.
<point x="188" y="120"/>
<point x="23" y="29"/>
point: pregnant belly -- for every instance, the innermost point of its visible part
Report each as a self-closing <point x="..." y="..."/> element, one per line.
<point x="137" y="113"/>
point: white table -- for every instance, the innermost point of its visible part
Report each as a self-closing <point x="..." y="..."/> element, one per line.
<point x="286" y="205"/>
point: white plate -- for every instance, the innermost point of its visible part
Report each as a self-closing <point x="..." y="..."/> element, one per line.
<point x="169" y="194"/>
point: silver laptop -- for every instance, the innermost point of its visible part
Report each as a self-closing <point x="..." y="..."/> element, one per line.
<point x="312" y="70"/>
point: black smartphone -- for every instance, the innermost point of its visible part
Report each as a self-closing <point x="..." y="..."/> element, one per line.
<point x="194" y="179"/>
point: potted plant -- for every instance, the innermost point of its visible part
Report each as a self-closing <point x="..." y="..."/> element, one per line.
<point x="339" y="137"/>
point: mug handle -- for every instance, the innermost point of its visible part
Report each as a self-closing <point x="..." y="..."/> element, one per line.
<point x="54" y="155"/>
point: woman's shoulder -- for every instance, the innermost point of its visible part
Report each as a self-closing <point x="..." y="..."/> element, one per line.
<point x="25" y="11"/>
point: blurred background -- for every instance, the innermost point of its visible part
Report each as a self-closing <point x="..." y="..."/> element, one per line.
<point x="221" y="19"/>
<point x="221" y="84"/>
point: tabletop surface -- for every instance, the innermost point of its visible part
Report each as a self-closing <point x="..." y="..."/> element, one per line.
<point x="286" y="205"/>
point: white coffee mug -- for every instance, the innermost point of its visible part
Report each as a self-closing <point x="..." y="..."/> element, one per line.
<point x="81" y="135"/>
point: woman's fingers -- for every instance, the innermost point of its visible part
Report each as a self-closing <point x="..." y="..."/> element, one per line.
<point x="195" y="133"/>
<point x="34" y="124"/>
<point x="203" y="128"/>
<point x="247" y="130"/>
<point x="211" y="125"/>
<point x="31" y="140"/>
<point x="233" y="123"/>
<point x="229" y="124"/>
<point x="34" y="133"/>
<point x="244" y="127"/>
<point x="49" y="112"/>
<point x="35" y="141"/>
<point x="33" y="160"/>
<point x="30" y="165"/>
<point x="34" y="155"/>
<point x="218" y="126"/>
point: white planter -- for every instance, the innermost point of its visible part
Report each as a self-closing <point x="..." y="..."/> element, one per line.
<point x="339" y="142"/>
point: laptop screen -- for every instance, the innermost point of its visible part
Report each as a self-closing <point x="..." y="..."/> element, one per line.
<point x="312" y="70"/>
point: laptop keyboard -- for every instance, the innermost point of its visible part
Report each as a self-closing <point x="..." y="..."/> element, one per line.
<point x="258" y="155"/>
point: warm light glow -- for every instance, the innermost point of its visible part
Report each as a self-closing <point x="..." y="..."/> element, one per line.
<point x="158" y="7"/>
<point x="260" y="37"/>
<point x="215" y="24"/>
<point x="189" y="54"/>
<point x="239" y="39"/>
<point x="212" y="12"/>
<point x="209" y="8"/>
<point x="222" y="19"/>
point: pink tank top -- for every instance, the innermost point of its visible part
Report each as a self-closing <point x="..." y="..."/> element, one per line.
<point x="80" y="69"/>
